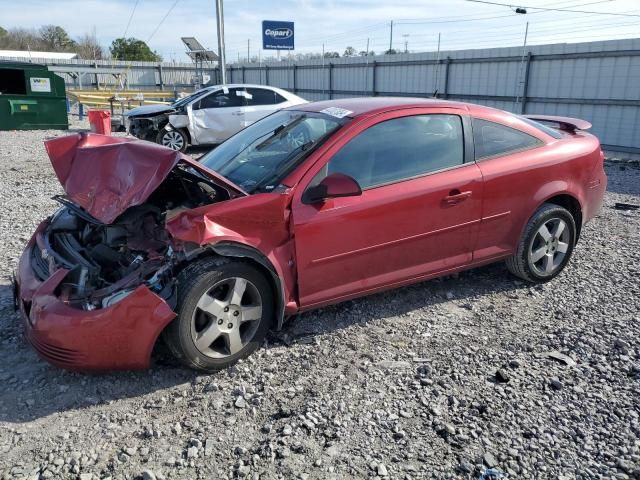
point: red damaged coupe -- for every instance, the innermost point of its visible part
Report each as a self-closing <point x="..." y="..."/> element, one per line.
<point x="313" y="205"/>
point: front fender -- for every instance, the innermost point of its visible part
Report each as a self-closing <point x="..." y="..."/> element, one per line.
<point x="256" y="227"/>
<point x="179" y="121"/>
<point x="239" y="250"/>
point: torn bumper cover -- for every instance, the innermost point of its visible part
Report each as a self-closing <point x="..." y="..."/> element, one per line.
<point x="120" y="336"/>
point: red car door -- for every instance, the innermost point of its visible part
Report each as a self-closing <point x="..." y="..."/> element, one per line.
<point x="418" y="213"/>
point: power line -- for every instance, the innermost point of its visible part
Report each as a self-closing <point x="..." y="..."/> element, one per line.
<point x="553" y="9"/>
<point x="163" y="19"/>
<point x="124" y="35"/>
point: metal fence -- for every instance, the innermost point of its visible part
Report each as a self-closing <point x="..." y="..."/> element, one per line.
<point x="112" y="74"/>
<point x="597" y="81"/>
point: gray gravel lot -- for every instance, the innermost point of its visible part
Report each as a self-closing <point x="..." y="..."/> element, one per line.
<point x="439" y="380"/>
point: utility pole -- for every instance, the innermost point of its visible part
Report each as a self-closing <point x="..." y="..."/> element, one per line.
<point x="436" y="80"/>
<point x="366" y="67"/>
<point x="222" y="64"/>
<point x="406" y="42"/>
<point x="323" y="68"/>
<point x="248" y="49"/>
<point x="524" y="52"/>
<point x="391" y="36"/>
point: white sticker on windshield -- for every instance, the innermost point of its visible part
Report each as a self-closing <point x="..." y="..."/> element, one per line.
<point x="336" y="112"/>
<point x="245" y="94"/>
<point x="225" y="90"/>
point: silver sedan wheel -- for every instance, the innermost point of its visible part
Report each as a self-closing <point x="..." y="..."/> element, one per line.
<point x="226" y="317"/>
<point x="173" y="140"/>
<point x="549" y="247"/>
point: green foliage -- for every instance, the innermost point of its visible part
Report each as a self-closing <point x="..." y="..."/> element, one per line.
<point x="349" y="52"/>
<point x="133" y="49"/>
<point x="56" y="39"/>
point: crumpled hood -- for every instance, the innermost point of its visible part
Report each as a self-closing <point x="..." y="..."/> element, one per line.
<point x="149" y="110"/>
<point x="106" y="175"/>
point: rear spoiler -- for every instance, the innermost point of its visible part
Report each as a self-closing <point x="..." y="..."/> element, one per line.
<point x="567" y="124"/>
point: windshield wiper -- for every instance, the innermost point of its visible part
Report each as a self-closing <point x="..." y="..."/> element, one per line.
<point x="279" y="131"/>
<point x="285" y="165"/>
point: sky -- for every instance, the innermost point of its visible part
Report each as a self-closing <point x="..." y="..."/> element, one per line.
<point x="334" y="23"/>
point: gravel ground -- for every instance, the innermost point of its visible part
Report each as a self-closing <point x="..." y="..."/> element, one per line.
<point x="444" y="379"/>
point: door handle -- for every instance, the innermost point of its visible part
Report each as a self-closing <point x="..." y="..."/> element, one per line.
<point x="456" y="196"/>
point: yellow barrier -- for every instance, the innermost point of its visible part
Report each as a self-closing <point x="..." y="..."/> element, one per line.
<point x="121" y="100"/>
<point x="129" y="94"/>
<point x="121" y="104"/>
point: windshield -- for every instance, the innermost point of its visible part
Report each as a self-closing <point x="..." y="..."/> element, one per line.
<point x="261" y="155"/>
<point x="188" y="98"/>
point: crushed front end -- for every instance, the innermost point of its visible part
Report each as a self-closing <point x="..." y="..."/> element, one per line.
<point x="96" y="283"/>
<point x="147" y="127"/>
<point x="94" y="295"/>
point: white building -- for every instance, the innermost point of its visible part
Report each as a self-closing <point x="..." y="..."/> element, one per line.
<point x="26" y="55"/>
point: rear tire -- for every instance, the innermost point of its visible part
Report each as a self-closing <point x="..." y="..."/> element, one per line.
<point x="546" y="245"/>
<point x="175" y="139"/>
<point x="225" y="309"/>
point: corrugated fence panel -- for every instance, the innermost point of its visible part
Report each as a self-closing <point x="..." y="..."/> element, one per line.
<point x="597" y="81"/>
<point x="312" y="79"/>
<point x="281" y="77"/>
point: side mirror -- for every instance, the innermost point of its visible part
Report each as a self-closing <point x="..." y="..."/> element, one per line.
<point x="332" y="186"/>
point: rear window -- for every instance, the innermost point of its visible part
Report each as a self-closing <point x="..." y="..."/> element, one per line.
<point x="543" y="128"/>
<point x="261" y="96"/>
<point x="494" y="139"/>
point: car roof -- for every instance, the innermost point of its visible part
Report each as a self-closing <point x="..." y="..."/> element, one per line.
<point x="245" y="85"/>
<point x="370" y="105"/>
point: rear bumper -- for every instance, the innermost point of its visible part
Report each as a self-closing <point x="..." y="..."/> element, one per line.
<point x="118" y="337"/>
<point x="595" y="196"/>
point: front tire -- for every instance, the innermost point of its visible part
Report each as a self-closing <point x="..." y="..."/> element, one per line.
<point x="225" y="309"/>
<point x="546" y="245"/>
<point x="175" y="139"/>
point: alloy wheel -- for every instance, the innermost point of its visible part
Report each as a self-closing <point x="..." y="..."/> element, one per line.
<point x="226" y="317"/>
<point x="549" y="247"/>
<point x="173" y="140"/>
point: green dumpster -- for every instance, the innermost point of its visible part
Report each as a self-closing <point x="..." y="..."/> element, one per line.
<point x="31" y="97"/>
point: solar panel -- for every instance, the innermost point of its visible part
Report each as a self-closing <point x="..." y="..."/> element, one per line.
<point x="197" y="52"/>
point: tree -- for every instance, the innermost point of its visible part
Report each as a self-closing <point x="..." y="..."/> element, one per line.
<point x="56" y="39"/>
<point x="21" y="39"/>
<point x="331" y="55"/>
<point x="133" y="49"/>
<point x="88" y="48"/>
<point x="364" y="53"/>
<point x="349" y="52"/>
<point x="391" y="51"/>
<point x="3" y="32"/>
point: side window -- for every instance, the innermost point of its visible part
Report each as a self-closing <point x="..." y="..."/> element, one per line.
<point x="398" y="149"/>
<point x="279" y="98"/>
<point x="494" y="139"/>
<point x="220" y="99"/>
<point x="261" y="96"/>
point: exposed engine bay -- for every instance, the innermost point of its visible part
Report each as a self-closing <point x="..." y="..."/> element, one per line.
<point x="106" y="262"/>
<point x="146" y="127"/>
